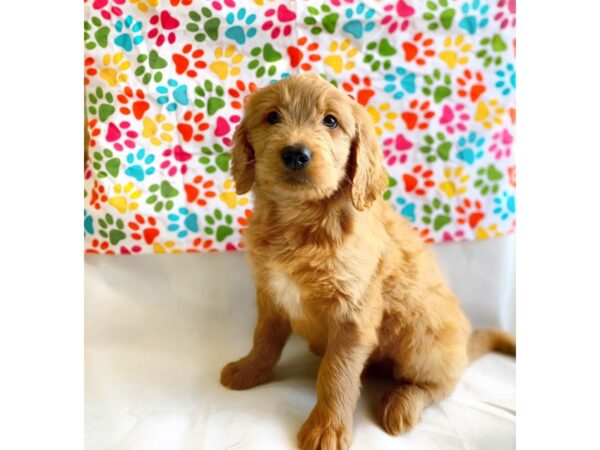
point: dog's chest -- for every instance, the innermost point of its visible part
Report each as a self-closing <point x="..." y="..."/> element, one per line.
<point x="286" y="293"/>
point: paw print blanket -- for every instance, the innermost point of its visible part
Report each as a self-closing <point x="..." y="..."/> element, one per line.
<point x="165" y="82"/>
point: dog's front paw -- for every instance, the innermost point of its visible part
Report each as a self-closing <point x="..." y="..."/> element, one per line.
<point x="323" y="431"/>
<point x="244" y="374"/>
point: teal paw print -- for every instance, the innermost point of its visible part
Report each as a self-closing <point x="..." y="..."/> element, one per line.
<point x="105" y="164"/>
<point x="219" y="225"/>
<point x="475" y="16"/>
<point x="112" y="229"/>
<point x="161" y="196"/>
<point x="95" y="34"/>
<point x="359" y="20"/>
<point x="239" y="33"/>
<point x="139" y="165"/>
<point x="491" y="50"/>
<point x="436" y="147"/>
<point x="183" y="223"/>
<point x="88" y="224"/>
<point x="437" y="214"/>
<point x="321" y="19"/>
<point x="407" y="209"/>
<point x="379" y="54"/>
<point x="488" y="179"/>
<point x="101" y="104"/>
<point x="437" y="85"/>
<point x="505" y="205"/>
<point x="210" y="96"/>
<point x="172" y="95"/>
<point x="130" y="33"/>
<point x="269" y="56"/>
<point x="507" y="79"/>
<point x="215" y="158"/>
<point x="204" y="25"/>
<point x="439" y="14"/>
<point x="399" y="83"/>
<point x="150" y="66"/>
<point x="470" y="148"/>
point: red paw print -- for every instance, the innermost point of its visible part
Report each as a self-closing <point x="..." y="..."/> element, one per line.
<point x="89" y="70"/>
<point x="93" y="131"/>
<point x="192" y="127"/>
<point x="98" y="195"/>
<point x="100" y="248"/>
<point x="163" y="28"/>
<point x="120" y="135"/>
<point x="200" y="245"/>
<point x="302" y="49"/>
<point x="199" y="191"/>
<point x="418" y="116"/>
<point x="188" y="58"/>
<point x="418" y="50"/>
<point x="175" y="161"/>
<point x="240" y="92"/>
<point x="470" y="212"/>
<point x="108" y="7"/>
<point x="363" y="89"/>
<point x="396" y="149"/>
<point x="284" y="15"/>
<point x="133" y="103"/>
<point x="418" y="181"/>
<point x="396" y="16"/>
<point x="130" y="250"/>
<point x="181" y="2"/>
<point x="471" y="85"/>
<point x="144" y="229"/>
<point x="244" y="220"/>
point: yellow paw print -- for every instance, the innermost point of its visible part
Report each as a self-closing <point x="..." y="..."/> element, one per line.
<point x="383" y="117"/>
<point x="455" y="183"/>
<point x="113" y="70"/>
<point x="167" y="247"/>
<point x="225" y="68"/>
<point x="489" y="113"/>
<point x="455" y="52"/>
<point x="340" y="52"/>
<point x="144" y="5"/>
<point x="124" y="199"/>
<point x="229" y="197"/>
<point x="158" y="130"/>
<point x="488" y="232"/>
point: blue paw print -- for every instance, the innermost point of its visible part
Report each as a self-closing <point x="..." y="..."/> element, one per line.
<point x="477" y="18"/>
<point x="178" y="92"/>
<point x="139" y="165"/>
<point x="355" y="26"/>
<point x="88" y="223"/>
<point x="406" y="209"/>
<point x="183" y="223"/>
<point x="282" y="76"/>
<point x="507" y="79"/>
<point x="470" y="148"/>
<point x="401" y="82"/>
<point x="505" y="205"/>
<point x="130" y="33"/>
<point x="237" y="32"/>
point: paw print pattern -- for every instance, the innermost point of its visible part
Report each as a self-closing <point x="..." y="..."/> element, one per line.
<point x="264" y="60"/>
<point x="218" y="225"/>
<point x="437" y="214"/>
<point x="304" y="54"/>
<point x="226" y="62"/>
<point x="470" y="212"/>
<point x="455" y="182"/>
<point x="491" y="50"/>
<point x="101" y="104"/>
<point x="284" y="16"/>
<point x="192" y="127"/>
<point x="439" y="14"/>
<point x="100" y="247"/>
<point x="145" y="5"/>
<point x="89" y="70"/>
<point x="359" y="89"/>
<point x="359" y="20"/>
<point x="470" y="148"/>
<point x="161" y="196"/>
<point x="379" y="54"/>
<point x="488" y="179"/>
<point x="454" y="118"/>
<point x="175" y="160"/>
<point x="140" y="165"/>
<point x="106" y="164"/>
<point x="240" y="92"/>
<point x="204" y="25"/>
<point x="489" y="113"/>
<point x="108" y="9"/>
<point x="144" y="229"/>
<point x="505" y="205"/>
<point x="111" y="229"/>
<point x="507" y="13"/>
<point x="199" y="191"/>
<point x="229" y="196"/>
<point x="95" y="33"/>
<point x="321" y="19"/>
<point x="188" y="61"/>
<point x="395" y="150"/>
<point x="134" y="103"/>
<point x="437" y="85"/>
<point x="341" y="57"/>
<point x="475" y="16"/>
<point x="506" y="79"/>
<point x="158" y="130"/>
<point x="123" y="199"/>
<point x="98" y="195"/>
<point x="436" y="147"/>
<point x="130" y="33"/>
<point x="418" y="115"/>
<point x="419" y="49"/>
<point x="240" y="26"/>
<point x="471" y="85"/>
<point x="209" y="97"/>
<point x="397" y="16"/>
<point x="88" y="223"/>
<point x="183" y="222"/>
<point x="419" y="180"/>
<point x="114" y="69"/>
<point x="172" y="95"/>
<point x="501" y="144"/>
<point x="456" y="51"/>
<point x="93" y="132"/>
<point x="383" y="117"/>
<point x="163" y="28"/>
<point x="121" y="135"/>
<point x="150" y="67"/>
<point x="407" y="208"/>
<point x="215" y="158"/>
<point x="399" y="83"/>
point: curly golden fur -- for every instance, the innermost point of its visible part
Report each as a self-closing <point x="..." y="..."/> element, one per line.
<point x="333" y="262"/>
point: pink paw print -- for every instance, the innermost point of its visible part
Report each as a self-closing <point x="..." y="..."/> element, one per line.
<point x="397" y="16"/>
<point x="120" y="135"/>
<point x="224" y="127"/>
<point x="455" y="236"/>
<point x="108" y="7"/>
<point x="284" y="16"/>
<point x="219" y="5"/>
<point x="454" y="118"/>
<point x="507" y="13"/>
<point x="502" y="144"/>
<point x="395" y="150"/>
<point x="418" y="181"/>
<point x="175" y="161"/>
<point x="124" y="250"/>
<point x="163" y="28"/>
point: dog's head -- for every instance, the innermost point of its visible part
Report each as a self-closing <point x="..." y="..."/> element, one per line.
<point x="303" y="139"/>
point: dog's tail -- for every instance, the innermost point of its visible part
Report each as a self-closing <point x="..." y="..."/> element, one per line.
<point x="490" y="339"/>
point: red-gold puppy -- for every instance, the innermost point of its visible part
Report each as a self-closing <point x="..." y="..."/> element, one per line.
<point x="333" y="262"/>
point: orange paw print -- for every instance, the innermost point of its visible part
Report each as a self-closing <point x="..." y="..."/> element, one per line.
<point x="425" y="234"/>
<point x="418" y="181"/>
<point x="93" y="131"/>
<point x="418" y="50"/>
<point x="470" y="212"/>
<point x="240" y="92"/>
<point x="100" y="248"/>
<point x="98" y="195"/>
<point x="192" y="127"/>
<point x="418" y="116"/>
<point x="188" y="61"/>
<point x="89" y="70"/>
<point x="363" y="89"/>
<point x="133" y="103"/>
<point x="201" y="245"/>
<point x="199" y="191"/>
<point x="144" y="229"/>
<point x="471" y="85"/>
<point x="303" y="54"/>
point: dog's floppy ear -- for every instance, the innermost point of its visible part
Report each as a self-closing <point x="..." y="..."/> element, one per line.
<point x="242" y="159"/>
<point x="369" y="178"/>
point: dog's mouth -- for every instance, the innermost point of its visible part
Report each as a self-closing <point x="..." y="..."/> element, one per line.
<point x="297" y="180"/>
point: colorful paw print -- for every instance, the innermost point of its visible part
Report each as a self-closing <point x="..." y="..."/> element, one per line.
<point x="341" y="56"/>
<point x="140" y="165"/>
<point x="130" y="33"/>
<point x="491" y="50"/>
<point x="204" y="25"/>
<point x="150" y="67"/>
<point x="506" y="79"/>
<point x="454" y="118"/>
<point x="175" y="160"/>
<point x="438" y="86"/>
<point x="407" y="208"/>
<point x="134" y="103"/>
<point x="95" y="33"/>
<point x="199" y="191"/>
<point x="172" y="95"/>
<point x="215" y="158"/>
<point x="488" y="232"/>
<point x="507" y="13"/>
<point x="145" y="5"/>
<point x="226" y="62"/>
<point x="399" y="83"/>
<point x="418" y="116"/>
<point x="121" y="135"/>
<point x="359" y="89"/>
<point x="114" y="69"/>
<point x="439" y="14"/>
<point x="395" y="150"/>
<point x="188" y="60"/>
<point x="218" y="225"/>
<point x="475" y="16"/>
<point x="162" y="195"/>
<point x="158" y="130"/>
<point x="418" y="180"/>
<point x="101" y="104"/>
<point x="471" y="85"/>
<point x="239" y="26"/>
<point x="209" y="97"/>
<point x="436" y="147"/>
<point x="264" y="60"/>
<point x="501" y="144"/>
<point x="144" y="229"/>
<point x="321" y="19"/>
<point x="231" y="199"/>
<point x="488" y="179"/>
<point x="88" y="223"/>
<point x="383" y="117"/>
<point x="456" y="51"/>
<point x="124" y="198"/>
<point x="489" y="113"/>
<point x="106" y="164"/>
<point x="359" y="20"/>
<point x="437" y="214"/>
<point x="470" y="148"/>
<point x="283" y="25"/>
<point x="109" y="8"/>
<point x="163" y="28"/>
<point x="379" y="54"/>
<point x="397" y="16"/>
<point x="183" y="222"/>
<point x="192" y="127"/>
<point x="505" y="205"/>
<point x="304" y="54"/>
<point x="470" y="212"/>
<point x="455" y="182"/>
<point x="419" y="49"/>
<point x="98" y="195"/>
<point x="111" y="229"/>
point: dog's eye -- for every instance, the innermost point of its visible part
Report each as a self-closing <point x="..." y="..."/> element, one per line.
<point x="330" y="122"/>
<point x="273" y="118"/>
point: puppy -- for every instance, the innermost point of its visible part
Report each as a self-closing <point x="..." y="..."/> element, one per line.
<point x="333" y="262"/>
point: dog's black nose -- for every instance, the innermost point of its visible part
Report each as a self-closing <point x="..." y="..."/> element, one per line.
<point x="296" y="156"/>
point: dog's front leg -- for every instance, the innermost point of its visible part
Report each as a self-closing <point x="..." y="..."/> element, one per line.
<point x="329" y="426"/>
<point x="270" y="335"/>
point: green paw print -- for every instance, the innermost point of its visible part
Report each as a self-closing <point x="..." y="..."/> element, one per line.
<point x="327" y="22"/>
<point x="95" y="33"/>
<point x="101" y="104"/>
<point x="215" y="158"/>
<point x="210" y="97"/>
<point x="204" y="25"/>
<point x="435" y="147"/>
<point x="436" y="214"/>
<point x="161" y="195"/>
<point x="331" y="80"/>
<point x="488" y="179"/>
<point x="438" y="85"/>
<point x="490" y="49"/>
<point x="391" y="183"/>
<point x="112" y="229"/>
<point x="439" y="14"/>
<point x="269" y="55"/>
<point x="150" y="66"/>
<point x="379" y="54"/>
<point x="219" y="225"/>
<point x="106" y="164"/>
